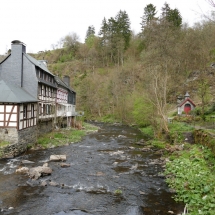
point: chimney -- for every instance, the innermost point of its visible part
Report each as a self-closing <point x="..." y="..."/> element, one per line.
<point x="66" y="80"/>
<point x="17" y="45"/>
<point x="17" y="50"/>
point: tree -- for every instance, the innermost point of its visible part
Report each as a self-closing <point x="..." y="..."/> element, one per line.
<point x="90" y="32"/>
<point x="104" y="43"/>
<point x="71" y="40"/>
<point x="172" y="16"/>
<point x="148" y="15"/>
<point x="104" y="29"/>
<point x="165" y="10"/>
<point x="211" y="2"/>
<point x="123" y="27"/>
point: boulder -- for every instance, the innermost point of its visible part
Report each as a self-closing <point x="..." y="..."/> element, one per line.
<point x="45" y="165"/>
<point x="53" y="183"/>
<point x="57" y="157"/>
<point x="63" y="165"/>
<point x="22" y="170"/>
<point x="26" y="161"/>
<point x="43" y="183"/>
<point x="36" y="172"/>
<point x="100" y="174"/>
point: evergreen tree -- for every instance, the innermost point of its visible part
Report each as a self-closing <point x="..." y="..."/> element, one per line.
<point x="172" y="16"/>
<point x="165" y="10"/>
<point x="104" y="29"/>
<point x="90" y="32"/>
<point x="123" y="27"/>
<point x="149" y="14"/>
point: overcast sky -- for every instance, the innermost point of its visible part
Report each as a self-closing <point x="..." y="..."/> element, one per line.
<point x="41" y="23"/>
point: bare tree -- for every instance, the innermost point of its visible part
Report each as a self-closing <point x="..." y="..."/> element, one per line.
<point x="211" y="2"/>
<point x="71" y="40"/>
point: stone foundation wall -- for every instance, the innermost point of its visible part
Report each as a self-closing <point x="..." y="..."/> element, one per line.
<point x="61" y="122"/>
<point x="9" y="135"/>
<point x="20" y="141"/>
<point x="45" y="127"/>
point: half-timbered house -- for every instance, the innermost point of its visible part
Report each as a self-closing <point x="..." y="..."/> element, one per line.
<point x="33" y="76"/>
<point x="18" y="115"/>
<point x="29" y="93"/>
<point x="65" y="102"/>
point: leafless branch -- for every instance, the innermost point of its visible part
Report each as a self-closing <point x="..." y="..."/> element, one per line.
<point x="211" y="2"/>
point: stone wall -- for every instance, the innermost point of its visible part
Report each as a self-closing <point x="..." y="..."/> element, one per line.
<point x="9" y="135"/>
<point x="19" y="141"/>
<point x="205" y="138"/>
<point x="45" y="127"/>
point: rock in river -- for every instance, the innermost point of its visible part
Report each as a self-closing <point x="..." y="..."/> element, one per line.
<point x="22" y="170"/>
<point x="36" y="172"/>
<point x="57" y="157"/>
<point x="63" y="165"/>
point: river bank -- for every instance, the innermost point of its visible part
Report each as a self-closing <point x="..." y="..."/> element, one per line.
<point x="64" y="136"/>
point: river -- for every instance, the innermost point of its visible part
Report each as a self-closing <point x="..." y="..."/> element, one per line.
<point x="109" y="174"/>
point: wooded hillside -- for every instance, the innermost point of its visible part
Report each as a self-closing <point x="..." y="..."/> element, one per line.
<point x="136" y="78"/>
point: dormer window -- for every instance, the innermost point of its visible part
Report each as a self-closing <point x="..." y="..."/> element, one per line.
<point x="41" y="74"/>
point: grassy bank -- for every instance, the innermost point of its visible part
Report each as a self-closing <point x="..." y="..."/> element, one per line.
<point x="191" y="174"/>
<point x="64" y="136"/>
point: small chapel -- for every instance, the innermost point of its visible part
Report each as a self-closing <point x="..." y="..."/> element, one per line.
<point x="185" y="104"/>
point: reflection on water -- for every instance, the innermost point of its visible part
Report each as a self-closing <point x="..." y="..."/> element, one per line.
<point x="101" y="165"/>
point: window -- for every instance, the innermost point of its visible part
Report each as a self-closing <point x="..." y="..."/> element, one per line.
<point x="40" y="109"/>
<point x="41" y="74"/>
<point x="39" y="90"/>
<point x="47" y="91"/>
<point x="44" y="109"/>
<point x="47" y="109"/>
<point x="32" y="110"/>
<point x="38" y="72"/>
<point x="24" y="111"/>
<point x="52" y="92"/>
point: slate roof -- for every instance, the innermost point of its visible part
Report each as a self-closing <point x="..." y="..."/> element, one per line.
<point x="14" y="94"/>
<point x="46" y="82"/>
<point x="38" y="63"/>
<point x="189" y="100"/>
<point x="62" y="83"/>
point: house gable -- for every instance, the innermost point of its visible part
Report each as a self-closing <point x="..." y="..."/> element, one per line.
<point x="187" y="100"/>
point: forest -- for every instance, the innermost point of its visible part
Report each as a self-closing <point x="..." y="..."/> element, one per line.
<point x="135" y="78"/>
